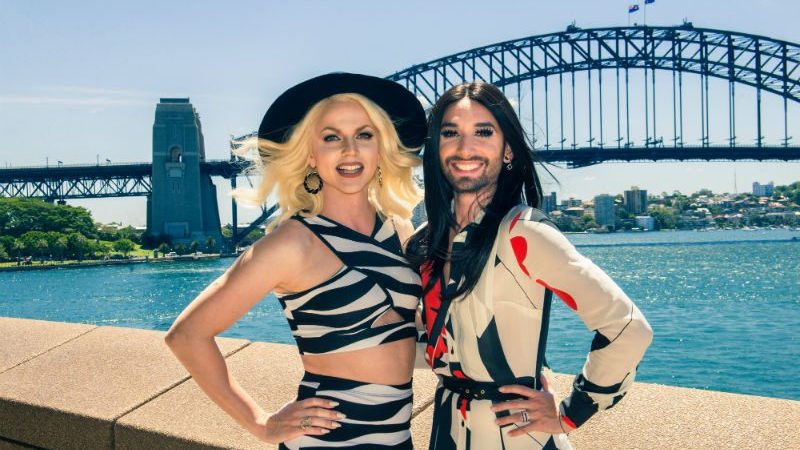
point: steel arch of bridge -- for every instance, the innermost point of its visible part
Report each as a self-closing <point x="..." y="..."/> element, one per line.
<point x="762" y="63"/>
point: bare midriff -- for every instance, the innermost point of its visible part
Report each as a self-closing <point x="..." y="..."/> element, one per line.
<point x="390" y="363"/>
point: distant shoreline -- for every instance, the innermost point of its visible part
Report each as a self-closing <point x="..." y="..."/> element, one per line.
<point x="114" y="262"/>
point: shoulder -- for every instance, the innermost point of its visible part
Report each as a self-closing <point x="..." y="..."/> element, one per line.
<point x="287" y="243"/>
<point x="532" y="225"/>
<point x="525" y="216"/>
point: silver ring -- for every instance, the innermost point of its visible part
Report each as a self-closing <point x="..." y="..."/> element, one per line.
<point x="524" y="415"/>
<point x="305" y="423"/>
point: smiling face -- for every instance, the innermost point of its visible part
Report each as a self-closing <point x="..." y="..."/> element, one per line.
<point x="471" y="148"/>
<point x="345" y="149"/>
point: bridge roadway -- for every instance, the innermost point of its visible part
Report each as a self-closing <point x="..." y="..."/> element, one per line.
<point x="133" y="179"/>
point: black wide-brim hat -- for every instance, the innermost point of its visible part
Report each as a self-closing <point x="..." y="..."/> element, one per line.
<point x="399" y="103"/>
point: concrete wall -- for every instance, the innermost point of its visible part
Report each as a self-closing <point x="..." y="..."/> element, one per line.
<point x="77" y="386"/>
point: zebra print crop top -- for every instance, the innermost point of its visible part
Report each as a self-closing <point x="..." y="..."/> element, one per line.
<point x="339" y="314"/>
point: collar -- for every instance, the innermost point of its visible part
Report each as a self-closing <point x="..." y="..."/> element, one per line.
<point x="461" y="236"/>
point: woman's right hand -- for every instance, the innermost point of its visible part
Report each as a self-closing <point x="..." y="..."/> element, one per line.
<point x="287" y="423"/>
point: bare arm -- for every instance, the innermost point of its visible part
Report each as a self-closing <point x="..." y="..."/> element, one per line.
<point x="268" y="264"/>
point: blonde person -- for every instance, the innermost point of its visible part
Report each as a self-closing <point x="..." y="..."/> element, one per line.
<point x="337" y="151"/>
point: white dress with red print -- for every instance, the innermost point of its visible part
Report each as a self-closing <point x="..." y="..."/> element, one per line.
<point x="492" y="333"/>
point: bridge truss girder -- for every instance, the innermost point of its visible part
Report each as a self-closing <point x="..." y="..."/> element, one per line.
<point x="764" y="63"/>
<point x="80" y="187"/>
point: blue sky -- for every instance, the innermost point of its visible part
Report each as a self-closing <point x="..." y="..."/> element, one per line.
<point x="80" y="80"/>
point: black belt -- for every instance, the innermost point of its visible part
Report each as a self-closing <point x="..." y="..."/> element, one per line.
<point x="482" y="390"/>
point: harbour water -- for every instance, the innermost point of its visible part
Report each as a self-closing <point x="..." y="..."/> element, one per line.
<point x="724" y="305"/>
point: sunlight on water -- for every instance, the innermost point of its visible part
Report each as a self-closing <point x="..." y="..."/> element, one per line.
<point x="725" y="306"/>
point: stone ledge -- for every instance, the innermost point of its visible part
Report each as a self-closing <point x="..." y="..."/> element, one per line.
<point x="121" y="388"/>
<point x="70" y="397"/>
<point x="24" y="339"/>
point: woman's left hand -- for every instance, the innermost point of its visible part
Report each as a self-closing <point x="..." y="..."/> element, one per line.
<point x="539" y="406"/>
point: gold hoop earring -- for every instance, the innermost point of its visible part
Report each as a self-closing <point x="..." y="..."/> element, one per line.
<point x="308" y="176"/>
<point x="380" y="177"/>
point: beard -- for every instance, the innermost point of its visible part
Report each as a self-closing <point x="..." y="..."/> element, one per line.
<point x="467" y="185"/>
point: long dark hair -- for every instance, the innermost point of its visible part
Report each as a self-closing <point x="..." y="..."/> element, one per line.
<point x="518" y="185"/>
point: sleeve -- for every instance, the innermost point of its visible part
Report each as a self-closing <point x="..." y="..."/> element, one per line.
<point x="622" y="334"/>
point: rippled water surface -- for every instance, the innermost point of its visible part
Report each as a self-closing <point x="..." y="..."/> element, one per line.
<point x="725" y="306"/>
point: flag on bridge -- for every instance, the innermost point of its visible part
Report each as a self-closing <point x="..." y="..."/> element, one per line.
<point x="632" y="9"/>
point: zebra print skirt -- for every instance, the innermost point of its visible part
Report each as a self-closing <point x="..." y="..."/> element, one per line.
<point x="378" y="415"/>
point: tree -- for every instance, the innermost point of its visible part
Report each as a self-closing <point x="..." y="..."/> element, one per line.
<point x="587" y="222"/>
<point x="164" y="248"/>
<point x="18" y="249"/>
<point x="40" y="248"/>
<point x="103" y="249"/>
<point x="33" y="242"/>
<point x="131" y="233"/>
<point x="21" y="215"/>
<point x="60" y="247"/>
<point x="666" y="218"/>
<point x="78" y="246"/>
<point x="227" y="231"/>
<point x="211" y="244"/>
<point x="180" y="249"/>
<point x="194" y="247"/>
<point x="8" y="243"/>
<point x="107" y="232"/>
<point x="124" y="246"/>
<point x="3" y="252"/>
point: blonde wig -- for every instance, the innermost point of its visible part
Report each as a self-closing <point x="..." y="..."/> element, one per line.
<point x="283" y="166"/>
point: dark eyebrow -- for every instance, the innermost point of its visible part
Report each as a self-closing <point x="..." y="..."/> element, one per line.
<point x="479" y="124"/>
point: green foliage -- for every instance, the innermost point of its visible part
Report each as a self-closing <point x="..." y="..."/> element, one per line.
<point x="164" y="248"/>
<point x="194" y="246"/>
<point x="792" y="192"/>
<point x="587" y="222"/>
<point x="622" y="213"/>
<point x="666" y="218"/>
<point x="3" y="252"/>
<point x="124" y="246"/>
<point x="21" y="215"/>
<point x="211" y="244"/>
<point x="181" y="249"/>
<point x="227" y="231"/>
<point x="78" y="246"/>
<point x="251" y="237"/>
<point x="565" y="223"/>
<point x="8" y="243"/>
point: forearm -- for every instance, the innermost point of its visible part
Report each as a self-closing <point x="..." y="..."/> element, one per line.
<point x="203" y="360"/>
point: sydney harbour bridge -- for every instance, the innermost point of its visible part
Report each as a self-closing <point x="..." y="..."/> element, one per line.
<point x="586" y="96"/>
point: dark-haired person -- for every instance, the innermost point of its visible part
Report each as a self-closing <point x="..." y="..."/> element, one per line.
<point x="338" y="152"/>
<point x="490" y="262"/>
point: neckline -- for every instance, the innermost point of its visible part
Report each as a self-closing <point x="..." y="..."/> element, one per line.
<point x="378" y="224"/>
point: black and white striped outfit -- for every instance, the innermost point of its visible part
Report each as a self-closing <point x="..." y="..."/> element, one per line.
<point x="338" y="314"/>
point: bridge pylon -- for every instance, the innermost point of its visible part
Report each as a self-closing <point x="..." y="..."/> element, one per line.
<point x="183" y="201"/>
